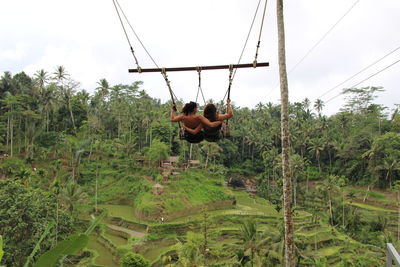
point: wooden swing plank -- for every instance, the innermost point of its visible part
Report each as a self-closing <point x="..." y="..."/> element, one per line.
<point x="216" y="67"/>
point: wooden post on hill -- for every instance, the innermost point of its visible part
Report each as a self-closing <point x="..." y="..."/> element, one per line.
<point x="287" y="182"/>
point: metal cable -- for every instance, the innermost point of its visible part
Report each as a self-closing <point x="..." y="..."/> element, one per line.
<point x="199" y="89"/>
<point x="126" y="35"/>
<point x="259" y="36"/>
<point x="137" y="37"/>
<point x="245" y="43"/>
<point x="394" y="63"/>
<point x="312" y="48"/>
<point x="323" y="37"/>
<point x="364" y="69"/>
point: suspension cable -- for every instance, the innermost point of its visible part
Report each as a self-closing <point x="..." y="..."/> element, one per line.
<point x="369" y="77"/>
<point x="126" y="35"/>
<point x="364" y="69"/>
<point x="134" y="32"/>
<point x="199" y="89"/>
<point x="171" y="93"/>
<point x="259" y="36"/>
<point x="245" y="45"/>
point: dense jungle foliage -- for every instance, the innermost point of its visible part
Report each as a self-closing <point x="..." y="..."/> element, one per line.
<point x="59" y="144"/>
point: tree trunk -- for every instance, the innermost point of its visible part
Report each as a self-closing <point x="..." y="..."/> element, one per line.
<point x="72" y="115"/>
<point x="11" y="136"/>
<point x="8" y="131"/>
<point x="95" y="195"/>
<point x="208" y="152"/>
<point x="330" y="208"/>
<point x="287" y="188"/>
<point x="343" y="202"/>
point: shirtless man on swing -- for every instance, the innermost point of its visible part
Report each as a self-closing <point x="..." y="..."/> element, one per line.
<point x="191" y="122"/>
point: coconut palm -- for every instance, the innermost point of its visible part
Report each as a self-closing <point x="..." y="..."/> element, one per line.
<point x="71" y="195"/>
<point x="316" y="146"/>
<point x="318" y="105"/>
<point x="287" y="182"/>
<point x="103" y="88"/>
<point x="41" y="78"/>
<point x="249" y="236"/>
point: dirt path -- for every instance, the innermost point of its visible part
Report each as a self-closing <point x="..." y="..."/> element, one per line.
<point x="128" y="231"/>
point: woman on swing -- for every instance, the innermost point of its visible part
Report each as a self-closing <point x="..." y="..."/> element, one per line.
<point x="211" y="122"/>
<point x="192" y="123"/>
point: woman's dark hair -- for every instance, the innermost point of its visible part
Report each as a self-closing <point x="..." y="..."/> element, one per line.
<point x="189" y="107"/>
<point x="210" y="112"/>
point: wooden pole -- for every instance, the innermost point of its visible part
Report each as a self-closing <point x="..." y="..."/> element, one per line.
<point x="215" y="67"/>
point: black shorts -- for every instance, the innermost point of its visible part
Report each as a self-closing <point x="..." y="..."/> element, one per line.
<point x="215" y="137"/>
<point x="194" y="138"/>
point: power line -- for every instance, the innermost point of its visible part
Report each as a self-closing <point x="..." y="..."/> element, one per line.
<point x="354" y="75"/>
<point x="323" y="37"/>
<point x="317" y="43"/>
<point x="376" y="73"/>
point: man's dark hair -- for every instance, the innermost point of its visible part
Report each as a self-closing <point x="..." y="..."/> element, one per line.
<point x="189" y="107"/>
<point x="210" y="112"/>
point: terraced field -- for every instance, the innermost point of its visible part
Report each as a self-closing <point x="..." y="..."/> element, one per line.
<point x="155" y="240"/>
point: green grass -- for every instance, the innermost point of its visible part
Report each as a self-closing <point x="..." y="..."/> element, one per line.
<point x="328" y="251"/>
<point x="104" y="257"/>
<point x="126" y="188"/>
<point x="116" y="240"/>
<point x="371" y="194"/>
<point x="370" y="207"/>
<point x="192" y="188"/>
<point x="123" y="211"/>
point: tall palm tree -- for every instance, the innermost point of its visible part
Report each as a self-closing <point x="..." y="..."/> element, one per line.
<point x="249" y="235"/>
<point x="103" y="88"/>
<point x="60" y="74"/>
<point x="287" y="180"/>
<point x="316" y="146"/>
<point x="211" y="149"/>
<point x="48" y="104"/>
<point x="41" y="78"/>
<point x="71" y="195"/>
<point x="318" y="105"/>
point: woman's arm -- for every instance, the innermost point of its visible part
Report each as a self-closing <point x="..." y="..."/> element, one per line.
<point x="193" y="131"/>
<point x="172" y="115"/>
<point x="208" y="123"/>
<point x="229" y="112"/>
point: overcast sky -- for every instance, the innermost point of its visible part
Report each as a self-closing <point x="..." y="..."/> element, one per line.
<point x="86" y="37"/>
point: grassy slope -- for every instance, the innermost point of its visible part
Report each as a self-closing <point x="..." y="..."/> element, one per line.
<point x="197" y="187"/>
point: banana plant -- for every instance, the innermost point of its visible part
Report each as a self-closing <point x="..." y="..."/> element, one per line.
<point x="71" y="245"/>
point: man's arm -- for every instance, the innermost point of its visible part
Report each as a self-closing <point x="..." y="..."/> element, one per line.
<point x="193" y="131"/>
<point x="229" y="112"/>
<point x="172" y="115"/>
<point x="208" y="123"/>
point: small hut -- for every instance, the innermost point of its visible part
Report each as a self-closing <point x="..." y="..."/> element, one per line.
<point x="158" y="189"/>
<point x="193" y="164"/>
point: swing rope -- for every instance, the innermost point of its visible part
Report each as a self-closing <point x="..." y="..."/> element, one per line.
<point x="126" y="34"/>
<point x="232" y="75"/>
<point x="259" y="36"/>
<point x="171" y="93"/>
<point x="199" y="89"/>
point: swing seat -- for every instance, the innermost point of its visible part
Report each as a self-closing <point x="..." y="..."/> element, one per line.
<point x="217" y="134"/>
<point x="191" y="138"/>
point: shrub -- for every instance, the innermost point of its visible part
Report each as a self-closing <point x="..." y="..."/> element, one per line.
<point x="134" y="260"/>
